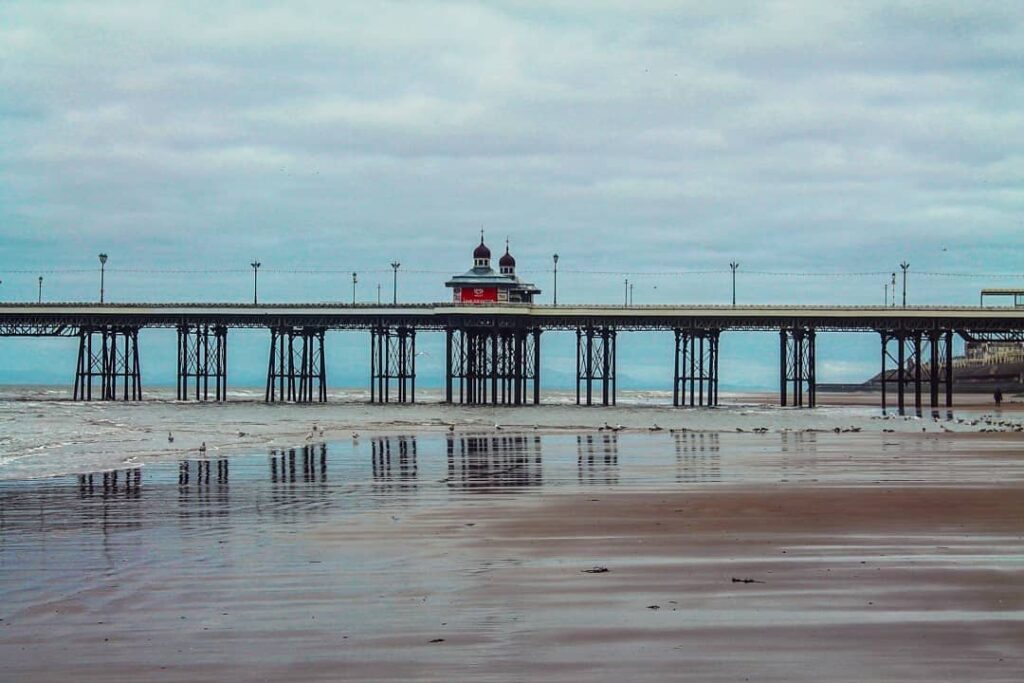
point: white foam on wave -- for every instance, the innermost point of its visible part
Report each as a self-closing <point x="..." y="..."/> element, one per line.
<point x="50" y="437"/>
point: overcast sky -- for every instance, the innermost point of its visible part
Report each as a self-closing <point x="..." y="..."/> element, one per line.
<point x="641" y="138"/>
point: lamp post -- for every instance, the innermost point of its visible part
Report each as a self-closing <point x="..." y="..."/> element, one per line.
<point x="904" y="265"/>
<point x="255" y="282"/>
<point x="354" y="281"/>
<point x="886" y="293"/>
<point x="555" y="259"/>
<point x="892" y="288"/>
<point x="733" y="265"/>
<point x="625" y="296"/>
<point x="40" y="289"/>
<point x="378" y="294"/>
<point x="394" y="266"/>
<point x="103" y="272"/>
<point x="631" y="295"/>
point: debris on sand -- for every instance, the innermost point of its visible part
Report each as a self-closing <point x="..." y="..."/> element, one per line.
<point x="437" y="640"/>
<point x="596" y="570"/>
<point x="735" y="580"/>
<point x="653" y="606"/>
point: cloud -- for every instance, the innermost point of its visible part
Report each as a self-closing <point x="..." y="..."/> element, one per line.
<point x="671" y="136"/>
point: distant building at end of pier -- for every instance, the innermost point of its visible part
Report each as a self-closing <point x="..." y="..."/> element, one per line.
<point x="481" y="285"/>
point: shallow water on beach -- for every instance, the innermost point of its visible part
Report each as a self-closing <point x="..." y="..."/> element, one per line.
<point x="363" y="556"/>
<point x="42" y="434"/>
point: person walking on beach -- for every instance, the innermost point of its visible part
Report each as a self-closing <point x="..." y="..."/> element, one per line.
<point x="998" y="396"/>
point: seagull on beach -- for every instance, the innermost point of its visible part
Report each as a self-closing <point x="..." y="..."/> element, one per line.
<point x="202" y="447"/>
<point x="170" y="437"/>
<point x="355" y="436"/>
<point x="655" y="427"/>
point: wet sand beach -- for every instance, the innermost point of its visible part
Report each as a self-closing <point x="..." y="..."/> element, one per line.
<point x="484" y="555"/>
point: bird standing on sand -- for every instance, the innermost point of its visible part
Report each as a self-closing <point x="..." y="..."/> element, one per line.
<point x="355" y="436"/>
<point x="202" y="447"/>
<point x="451" y="428"/>
<point x="170" y="437"/>
<point x="655" y="427"/>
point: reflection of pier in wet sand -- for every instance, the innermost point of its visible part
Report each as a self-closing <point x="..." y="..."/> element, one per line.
<point x="394" y="462"/>
<point x="597" y="459"/>
<point x="312" y="459"/>
<point x="412" y="555"/>
<point x="698" y="457"/>
<point x="486" y="463"/>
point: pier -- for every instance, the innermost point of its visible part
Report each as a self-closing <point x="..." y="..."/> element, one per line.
<point x="493" y="349"/>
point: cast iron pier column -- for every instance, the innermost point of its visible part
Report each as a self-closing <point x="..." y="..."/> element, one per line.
<point x="108" y="364"/>
<point x="489" y="365"/>
<point x="920" y="356"/>
<point x="297" y="369"/>
<point x="797" y="367"/>
<point x="392" y="365"/>
<point x="595" y="364"/>
<point x="696" y="368"/>
<point x="202" y="355"/>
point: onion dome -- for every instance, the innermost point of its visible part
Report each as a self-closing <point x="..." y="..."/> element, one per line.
<point x="507" y="261"/>
<point x="481" y="255"/>
<point x="482" y="251"/>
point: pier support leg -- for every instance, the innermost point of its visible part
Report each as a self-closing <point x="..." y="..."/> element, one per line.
<point x="596" y="362"/>
<point x="297" y="369"/>
<point x="797" y="367"/>
<point x="884" y="375"/>
<point x="393" y="365"/>
<point x="949" y="369"/>
<point x="920" y="356"/>
<point x="448" y="364"/>
<point x="202" y="357"/>
<point x="495" y="366"/>
<point x="901" y="372"/>
<point x="938" y="370"/>
<point x="108" y="365"/>
<point x="696" y="365"/>
<point x="918" y="362"/>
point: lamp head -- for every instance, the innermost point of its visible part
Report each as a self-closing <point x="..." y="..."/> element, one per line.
<point x="103" y="259"/>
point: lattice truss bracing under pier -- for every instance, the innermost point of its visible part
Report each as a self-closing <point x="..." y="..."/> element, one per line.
<point x="797" y="367"/>
<point x="917" y="357"/>
<point x="108" y="364"/>
<point x="392" y="365"/>
<point x="695" y="380"/>
<point x="496" y="366"/>
<point x="202" y="357"/>
<point x="595" y="364"/>
<point x="297" y="369"/>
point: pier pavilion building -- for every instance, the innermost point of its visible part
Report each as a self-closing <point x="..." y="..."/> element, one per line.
<point x="482" y="285"/>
